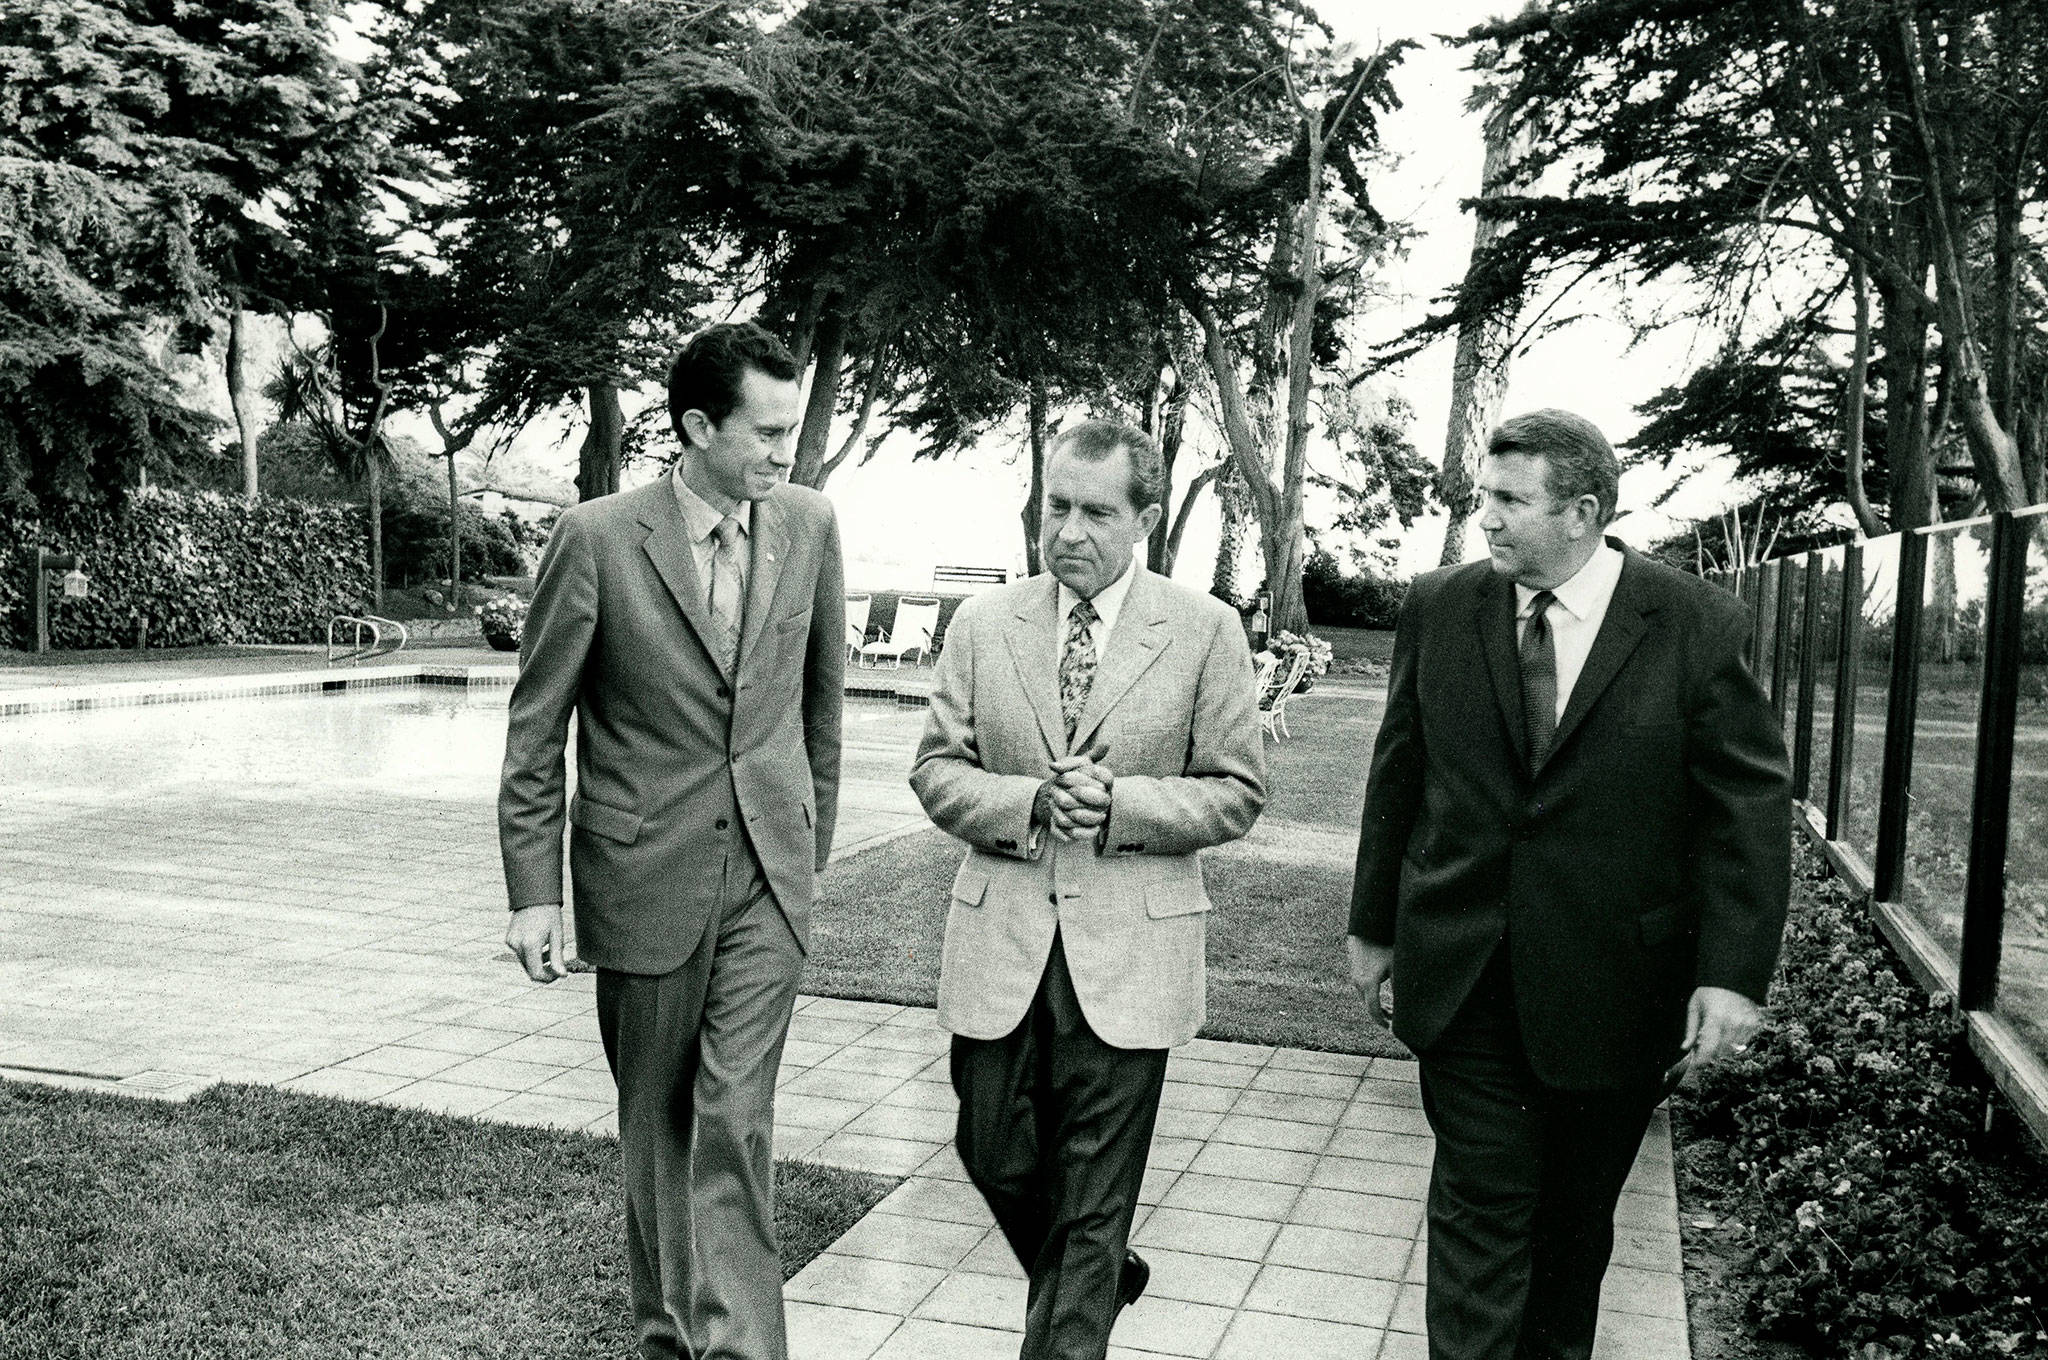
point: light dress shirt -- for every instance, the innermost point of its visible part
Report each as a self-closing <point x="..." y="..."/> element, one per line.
<point x="1575" y="618"/>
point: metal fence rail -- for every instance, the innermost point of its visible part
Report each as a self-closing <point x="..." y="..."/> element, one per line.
<point x="1954" y="852"/>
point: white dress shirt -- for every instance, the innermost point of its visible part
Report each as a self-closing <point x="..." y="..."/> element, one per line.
<point x="1108" y="602"/>
<point x="700" y="520"/>
<point x="1575" y="617"/>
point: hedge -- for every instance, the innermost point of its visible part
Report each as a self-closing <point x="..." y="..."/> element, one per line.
<point x="203" y="569"/>
<point x="1846" y="1150"/>
<point x="1334" y="598"/>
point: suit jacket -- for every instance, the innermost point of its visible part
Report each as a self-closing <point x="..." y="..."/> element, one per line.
<point x="674" y="761"/>
<point x="1650" y="854"/>
<point x="1173" y="699"/>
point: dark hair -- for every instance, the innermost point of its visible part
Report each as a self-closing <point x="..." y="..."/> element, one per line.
<point x="707" y="371"/>
<point x="1095" y="440"/>
<point x="1577" y="459"/>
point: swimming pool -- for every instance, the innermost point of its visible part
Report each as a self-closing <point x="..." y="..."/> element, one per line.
<point x="256" y="886"/>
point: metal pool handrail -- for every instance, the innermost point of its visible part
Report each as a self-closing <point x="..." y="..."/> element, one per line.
<point x="376" y="624"/>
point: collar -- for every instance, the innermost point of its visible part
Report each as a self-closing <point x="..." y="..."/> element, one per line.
<point x="700" y="516"/>
<point x="1108" y="602"/>
<point x="1589" y="589"/>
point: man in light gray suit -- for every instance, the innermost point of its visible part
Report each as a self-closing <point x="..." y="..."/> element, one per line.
<point x="696" y="628"/>
<point x="1092" y="730"/>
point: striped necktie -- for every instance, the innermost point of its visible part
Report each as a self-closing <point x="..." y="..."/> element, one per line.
<point x="728" y="591"/>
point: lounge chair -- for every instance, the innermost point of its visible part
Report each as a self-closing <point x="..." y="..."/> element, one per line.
<point x="857" y="607"/>
<point x="915" y="628"/>
<point x="1276" y="687"/>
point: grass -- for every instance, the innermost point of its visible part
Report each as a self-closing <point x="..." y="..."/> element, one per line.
<point x="251" y="1222"/>
<point x="1276" y="966"/>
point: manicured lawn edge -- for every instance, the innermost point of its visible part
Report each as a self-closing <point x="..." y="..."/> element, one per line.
<point x="251" y="1222"/>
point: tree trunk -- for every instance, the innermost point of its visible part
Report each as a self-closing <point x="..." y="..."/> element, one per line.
<point x="1230" y="501"/>
<point x="1173" y="419"/>
<point x="240" y="397"/>
<point x="1479" y="373"/>
<point x="373" y="480"/>
<point x="1867" y="519"/>
<point x="829" y="355"/>
<point x="454" y="539"/>
<point x="597" y="463"/>
<point x="1170" y="555"/>
<point x="1034" y="502"/>
<point x="1906" y="444"/>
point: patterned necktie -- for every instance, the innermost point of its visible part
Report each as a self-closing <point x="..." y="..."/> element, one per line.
<point x="1077" y="664"/>
<point x="1539" y="679"/>
<point x="728" y="590"/>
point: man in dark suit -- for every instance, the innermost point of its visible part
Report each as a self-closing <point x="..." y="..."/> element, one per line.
<point x="1574" y="863"/>
<point x="695" y="626"/>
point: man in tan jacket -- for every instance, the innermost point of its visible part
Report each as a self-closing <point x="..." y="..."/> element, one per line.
<point x="695" y="627"/>
<point x="1092" y="730"/>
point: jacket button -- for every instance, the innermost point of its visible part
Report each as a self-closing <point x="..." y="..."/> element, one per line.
<point x="1052" y="899"/>
<point x="721" y="824"/>
<point x="724" y="693"/>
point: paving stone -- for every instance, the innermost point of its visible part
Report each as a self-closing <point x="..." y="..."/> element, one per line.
<point x="977" y="1301"/>
<point x="1206" y="1234"/>
<point x="1341" y="1252"/>
<point x="1262" y="1336"/>
<point x="821" y="1332"/>
<point x="1227" y="1195"/>
<point x="1171" y="1326"/>
<point x="1358" y="1300"/>
<point x="864" y="1282"/>
<point x="876" y="1156"/>
<point x="927" y="1339"/>
<point x="918" y="1241"/>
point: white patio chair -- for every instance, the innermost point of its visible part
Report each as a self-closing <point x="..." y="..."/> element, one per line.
<point x="916" y="625"/>
<point x="857" y="607"/>
<point x="1276" y="688"/>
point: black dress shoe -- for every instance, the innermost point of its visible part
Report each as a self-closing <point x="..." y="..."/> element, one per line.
<point x="1132" y="1279"/>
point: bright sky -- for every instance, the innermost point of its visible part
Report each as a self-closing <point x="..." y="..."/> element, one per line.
<point x="900" y="520"/>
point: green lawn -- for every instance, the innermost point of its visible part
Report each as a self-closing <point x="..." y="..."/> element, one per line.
<point x="255" y="1223"/>
<point x="1275" y="939"/>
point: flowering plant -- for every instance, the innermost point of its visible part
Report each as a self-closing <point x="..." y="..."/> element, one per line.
<point x="503" y="621"/>
<point x="1319" y="651"/>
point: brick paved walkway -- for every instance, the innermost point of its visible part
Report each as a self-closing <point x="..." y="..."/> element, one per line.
<point x="303" y="891"/>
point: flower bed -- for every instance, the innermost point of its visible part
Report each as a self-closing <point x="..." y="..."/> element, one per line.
<point x="1844" y="1156"/>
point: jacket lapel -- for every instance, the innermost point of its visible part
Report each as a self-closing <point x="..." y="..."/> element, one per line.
<point x="1137" y="641"/>
<point x="1620" y="631"/>
<point x="769" y="538"/>
<point x="668" y="547"/>
<point x="1495" y="619"/>
<point x="1034" y="640"/>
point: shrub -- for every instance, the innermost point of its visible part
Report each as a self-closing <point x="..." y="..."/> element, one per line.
<point x="201" y="568"/>
<point x="416" y="543"/>
<point x="1335" y="599"/>
<point x="1847" y="1135"/>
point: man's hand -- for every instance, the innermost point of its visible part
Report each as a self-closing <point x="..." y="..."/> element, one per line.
<point x="1719" y="1022"/>
<point x="535" y="938"/>
<point x="1077" y="796"/>
<point x="1370" y="965"/>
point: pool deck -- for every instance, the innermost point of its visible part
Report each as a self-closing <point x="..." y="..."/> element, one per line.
<point x="344" y="941"/>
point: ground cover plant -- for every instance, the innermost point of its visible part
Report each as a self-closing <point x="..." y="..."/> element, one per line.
<point x="1840" y="1171"/>
<point x="254" y="1223"/>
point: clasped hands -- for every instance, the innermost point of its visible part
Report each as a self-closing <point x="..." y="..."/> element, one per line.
<point x="1073" y="804"/>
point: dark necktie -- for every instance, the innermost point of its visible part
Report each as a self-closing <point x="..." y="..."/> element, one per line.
<point x="1539" y="679"/>
<point x="1077" y="664"/>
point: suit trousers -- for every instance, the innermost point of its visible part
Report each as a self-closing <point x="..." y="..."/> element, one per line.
<point x="695" y="1053"/>
<point x="1055" y="1126"/>
<point x="1523" y="1190"/>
